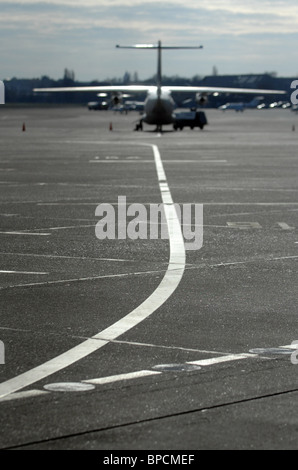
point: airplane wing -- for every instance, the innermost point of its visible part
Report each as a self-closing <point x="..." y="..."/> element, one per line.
<point x="98" y="89"/>
<point x="211" y="90"/>
<point x="147" y="88"/>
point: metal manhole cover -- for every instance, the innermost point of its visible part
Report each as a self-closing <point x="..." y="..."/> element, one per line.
<point x="69" y="387"/>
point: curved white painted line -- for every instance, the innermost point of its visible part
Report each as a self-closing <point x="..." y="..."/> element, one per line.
<point x="165" y="289"/>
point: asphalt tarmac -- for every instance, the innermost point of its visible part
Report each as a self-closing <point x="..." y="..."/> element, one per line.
<point x="141" y="344"/>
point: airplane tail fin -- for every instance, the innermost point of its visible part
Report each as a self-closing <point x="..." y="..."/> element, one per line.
<point x="159" y="48"/>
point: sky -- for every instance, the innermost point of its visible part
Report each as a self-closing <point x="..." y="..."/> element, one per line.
<point x="239" y="37"/>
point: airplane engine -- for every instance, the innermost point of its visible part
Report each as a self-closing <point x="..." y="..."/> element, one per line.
<point x="201" y="99"/>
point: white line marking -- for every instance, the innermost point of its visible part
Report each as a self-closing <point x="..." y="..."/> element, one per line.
<point x="26" y="394"/>
<point x="165" y="289"/>
<point x="244" y="225"/>
<point x="20" y="272"/>
<point x="9" y="215"/>
<point x="117" y="378"/>
<point x="165" y="161"/>
<point x="139" y="374"/>
<point x="14" y="329"/>
<point x="148" y="345"/>
<point x="289" y="346"/>
<point x="139" y="273"/>
<point x="218" y="360"/>
<point x="67" y="227"/>
<point x="219" y="188"/>
<point x="19" y="202"/>
<point x="147" y="203"/>
<point x="250" y="203"/>
<point x="232" y="263"/>
<point x="26" y="233"/>
<point x="85" y="258"/>
<point x="285" y="226"/>
<point x="82" y="279"/>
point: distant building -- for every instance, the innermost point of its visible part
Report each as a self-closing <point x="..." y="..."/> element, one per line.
<point x="20" y="90"/>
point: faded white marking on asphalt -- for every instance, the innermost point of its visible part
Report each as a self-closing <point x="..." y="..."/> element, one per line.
<point x="250" y="204"/>
<point x="277" y="211"/>
<point x="67" y="227"/>
<point x="89" y="384"/>
<point x="244" y="225"/>
<point x="157" y="346"/>
<point x="150" y="161"/>
<point x="139" y="273"/>
<point x="14" y="329"/>
<point x="218" y="188"/>
<point x="285" y="226"/>
<point x="21" y="272"/>
<point x="26" y="394"/>
<point x="282" y="204"/>
<point x="290" y="346"/>
<point x="249" y="261"/>
<point x="119" y="377"/>
<point x="66" y="257"/>
<point x="9" y="215"/>
<point x="82" y="279"/>
<point x="26" y="233"/>
<point x="164" y="290"/>
<point x="218" y="360"/>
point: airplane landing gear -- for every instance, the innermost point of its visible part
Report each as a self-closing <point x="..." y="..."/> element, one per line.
<point x="139" y="126"/>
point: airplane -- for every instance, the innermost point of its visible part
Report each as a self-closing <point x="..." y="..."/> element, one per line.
<point x="241" y="106"/>
<point x="159" y="106"/>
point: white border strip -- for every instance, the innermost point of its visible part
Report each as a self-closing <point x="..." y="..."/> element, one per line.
<point x="118" y="378"/>
<point x="218" y="360"/>
<point x="165" y="161"/>
<point x="20" y="272"/>
<point x="25" y="394"/>
<point x="165" y="289"/>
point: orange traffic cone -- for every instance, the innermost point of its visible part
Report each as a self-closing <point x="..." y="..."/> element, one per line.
<point x="111" y="126"/>
<point x="24" y="127"/>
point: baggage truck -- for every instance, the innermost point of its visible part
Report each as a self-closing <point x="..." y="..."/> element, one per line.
<point x="190" y="119"/>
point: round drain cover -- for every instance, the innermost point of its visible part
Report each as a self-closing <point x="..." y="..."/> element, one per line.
<point x="176" y="367"/>
<point x="273" y="351"/>
<point x="69" y="387"/>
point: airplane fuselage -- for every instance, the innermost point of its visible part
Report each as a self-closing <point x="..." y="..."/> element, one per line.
<point x="159" y="107"/>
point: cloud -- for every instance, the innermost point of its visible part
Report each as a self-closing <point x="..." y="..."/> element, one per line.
<point x="86" y="32"/>
<point x="216" y="16"/>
